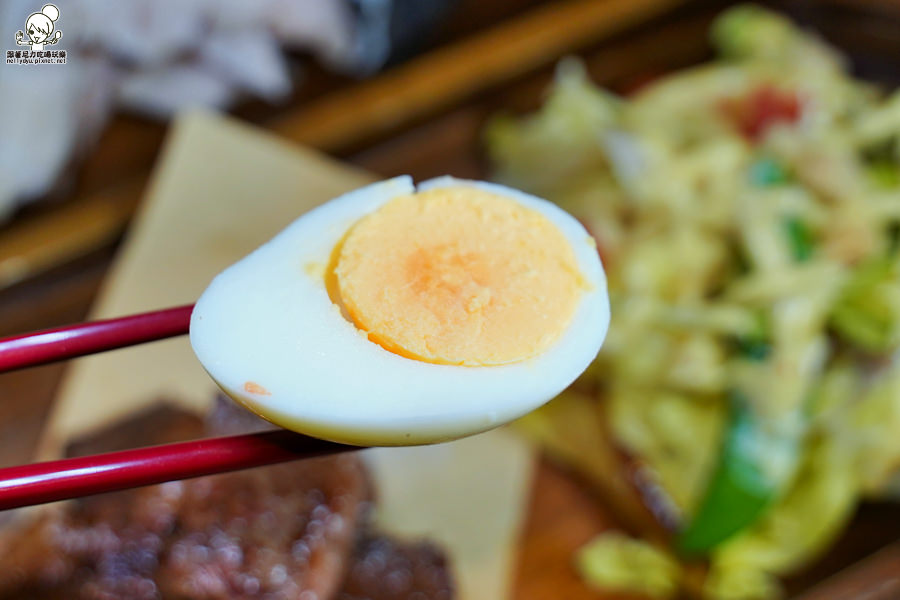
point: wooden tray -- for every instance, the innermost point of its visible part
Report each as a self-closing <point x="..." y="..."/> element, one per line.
<point x="425" y="118"/>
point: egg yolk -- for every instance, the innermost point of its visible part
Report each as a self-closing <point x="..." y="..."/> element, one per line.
<point x="457" y="276"/>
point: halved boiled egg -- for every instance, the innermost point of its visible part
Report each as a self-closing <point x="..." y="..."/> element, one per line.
<point x="397" y="315"/>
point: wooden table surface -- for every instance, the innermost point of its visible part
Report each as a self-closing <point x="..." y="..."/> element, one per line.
<point x="443" y="139"/>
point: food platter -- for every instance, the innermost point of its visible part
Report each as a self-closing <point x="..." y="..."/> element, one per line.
<point x="564" y="512"/>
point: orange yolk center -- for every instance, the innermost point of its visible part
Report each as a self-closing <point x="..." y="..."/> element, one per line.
<point x="457" y="276"/>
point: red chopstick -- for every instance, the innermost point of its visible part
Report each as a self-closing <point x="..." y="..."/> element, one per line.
<point x="60" y="343"/>
<point x="38" y="483"/>
<point x="74" y="477"/>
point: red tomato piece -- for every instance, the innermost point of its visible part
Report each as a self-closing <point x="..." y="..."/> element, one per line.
<point x="765" y="106"/>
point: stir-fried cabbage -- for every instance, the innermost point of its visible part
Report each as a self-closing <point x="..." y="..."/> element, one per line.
<point x="617" y="562"/>
<point x="748" y="215"/>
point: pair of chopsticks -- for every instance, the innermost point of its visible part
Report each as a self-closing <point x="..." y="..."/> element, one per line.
<point x="74" y="477"/>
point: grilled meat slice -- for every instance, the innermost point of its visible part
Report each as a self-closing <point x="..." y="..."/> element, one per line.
<point x="382" y="569"/>
<point x="271" y="532"/>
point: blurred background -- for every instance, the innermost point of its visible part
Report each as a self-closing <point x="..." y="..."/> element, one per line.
<point x="390" y="86"/>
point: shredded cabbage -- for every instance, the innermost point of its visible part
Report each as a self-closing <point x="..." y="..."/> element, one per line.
<point x="613" y="561"/>
<point x="748" y="215"/>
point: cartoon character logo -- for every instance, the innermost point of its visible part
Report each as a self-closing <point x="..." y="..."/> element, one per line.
<point x="39" y="28"/>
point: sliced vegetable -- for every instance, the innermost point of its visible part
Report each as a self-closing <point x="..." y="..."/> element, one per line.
<point x="893" y="235"/>
<point x="756" y="345"/>
<point x="800" y="238"/>
<point x="764" y="107"/>
<point x="884" y="174"/>
<point x="868" y="312"/>
<point x="741" y="486"/>
<point x="613" y="561"/>
<point x="563" y="138"/>
<point x="880" y="160"/>
<point x="801" y="525"/>
<point x="752" y="33"/>
<point x="767" y="172"/>
<point x="748" y="30"/>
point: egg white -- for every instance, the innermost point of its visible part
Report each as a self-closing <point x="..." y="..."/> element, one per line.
<point x="268" y="319"/>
